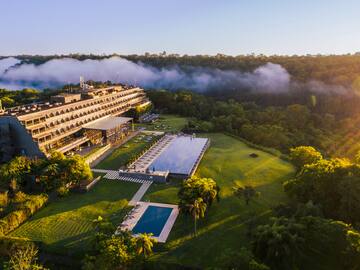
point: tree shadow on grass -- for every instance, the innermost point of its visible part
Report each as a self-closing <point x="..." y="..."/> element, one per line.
<point x="74" y="246"/>
<point x="226" y="226"/>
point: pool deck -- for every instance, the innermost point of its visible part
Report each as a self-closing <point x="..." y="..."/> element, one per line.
<point x="134" y="216"/>
<point x="143" y="162"/>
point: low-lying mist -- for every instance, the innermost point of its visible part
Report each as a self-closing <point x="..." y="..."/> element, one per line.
<point x="269" y="78"/>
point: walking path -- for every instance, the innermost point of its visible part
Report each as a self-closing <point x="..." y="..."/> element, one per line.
<point x="140" y="193"/>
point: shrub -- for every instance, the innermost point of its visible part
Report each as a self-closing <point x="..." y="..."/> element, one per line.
<point x="19" y="197"/>
<point x="24" y="211"/>
<point x="8" y="244"/>
<point x="4" y="199"/>
<point x="62" y="191"/>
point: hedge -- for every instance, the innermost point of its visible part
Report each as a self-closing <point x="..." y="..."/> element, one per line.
<point x="22" y="213"/>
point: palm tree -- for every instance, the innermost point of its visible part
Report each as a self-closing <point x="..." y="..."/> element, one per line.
<point x="209" y="192"/>
<point x="144" y="244"/>
<point x="247" y="192"/>
<point x="197" y="210"/>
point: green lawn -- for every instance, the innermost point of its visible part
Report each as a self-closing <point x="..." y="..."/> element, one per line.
<point x="92" y="151"/>
<point x="65" y="226"/>
<point x="167" y="123"/>
<point x="121" y="155"/>
<point x="225" y="226"/>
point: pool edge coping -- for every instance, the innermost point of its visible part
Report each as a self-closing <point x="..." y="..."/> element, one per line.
<point x="130" y="222"/>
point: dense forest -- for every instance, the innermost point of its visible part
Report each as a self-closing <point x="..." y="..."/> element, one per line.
<point x="327" y="122"/>
<point x="331" y="69"/>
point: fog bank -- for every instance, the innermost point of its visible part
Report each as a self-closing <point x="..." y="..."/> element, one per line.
<point x="55" y="73"/>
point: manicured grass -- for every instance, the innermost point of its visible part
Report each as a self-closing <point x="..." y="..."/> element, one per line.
<point x="167" y="123"/>
<point x="65" y="226"/>
<point x="163" y="193"/>
<point x="121" y="156"/>
<point x="225" y="226"/>
<point x="92" y="151"/>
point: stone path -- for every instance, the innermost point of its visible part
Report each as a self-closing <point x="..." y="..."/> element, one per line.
<point x="140" y="193"/>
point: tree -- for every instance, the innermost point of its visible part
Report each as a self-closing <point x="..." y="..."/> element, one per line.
<point x="357" y="157"/>
<point x="246" y="192"/>
<point x="333" y="184"/>
<point x="76" y="170"/>
<point x="113" y="252"/>
<point x="24" y="259"/>
<point x="197" y="209"/>
<point x="278" y="244"/>
<point x="195" y="187"/>
<point x="297" y="116"/>
<point x="144" y="244"/>
<point x="303" y="155"/>
<point x="336" y="240"/>
<point x="15" y="173"/>
<point x="240" y="260"/>
<point x="353" y="249"/>
<point x="353" y="237"/>
<point x="59" y="171"/>
<point x="7" y="102"/>
<point x="196" y="195"/>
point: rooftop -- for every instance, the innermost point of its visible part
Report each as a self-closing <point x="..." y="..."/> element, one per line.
<point x="66" y="94"/>
<point x="41" y="106"/>
<point x="108" y="122"/>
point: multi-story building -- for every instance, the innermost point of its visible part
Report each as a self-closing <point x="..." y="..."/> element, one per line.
<point x="61" y="124"/>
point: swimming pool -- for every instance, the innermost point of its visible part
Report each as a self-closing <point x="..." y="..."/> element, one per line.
<point x="180" y="156"/>
<point x="153" y="220"/>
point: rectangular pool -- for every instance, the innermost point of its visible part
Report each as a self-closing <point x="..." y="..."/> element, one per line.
<point x="153" y="220"/>
<point x="180" y="156"/>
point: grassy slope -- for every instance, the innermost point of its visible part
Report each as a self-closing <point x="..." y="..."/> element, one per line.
<point x="227" y="161"/>
<point x="66" y="225"/>
<point x="120" y="156"/>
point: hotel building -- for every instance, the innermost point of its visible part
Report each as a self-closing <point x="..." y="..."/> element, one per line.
<point x="68" y="121"/>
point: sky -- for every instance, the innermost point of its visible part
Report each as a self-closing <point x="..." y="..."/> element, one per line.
<point x="192" y="27"/>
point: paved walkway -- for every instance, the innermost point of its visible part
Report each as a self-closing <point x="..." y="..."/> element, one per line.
<point x="140" y="193"/>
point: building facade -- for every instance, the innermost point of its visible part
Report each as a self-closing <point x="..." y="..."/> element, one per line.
<point x="59" y="124"/>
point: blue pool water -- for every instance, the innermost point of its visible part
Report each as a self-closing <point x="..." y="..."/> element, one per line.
<point x="153" y="220"/>
<point x="180" y="156"/>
